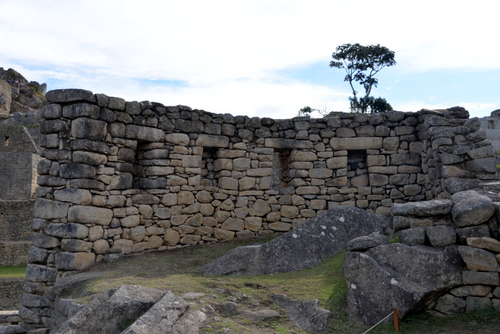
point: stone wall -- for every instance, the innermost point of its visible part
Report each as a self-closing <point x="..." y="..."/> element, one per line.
<point x="15" y="229"/>
<point x="128" y="177"/>
<point x="470" y="221"/>
<point x="11" y="292"/>
<point x="19" y="156"/>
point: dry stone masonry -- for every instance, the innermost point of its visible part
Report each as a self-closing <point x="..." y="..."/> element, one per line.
<point x="447" y="260"/>
<point x="123" y="177"/>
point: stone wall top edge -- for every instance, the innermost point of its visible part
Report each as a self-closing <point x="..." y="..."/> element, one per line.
<point x="69" y="96"/>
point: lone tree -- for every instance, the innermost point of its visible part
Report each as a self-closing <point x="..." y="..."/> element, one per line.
<point x="361" y="63"/>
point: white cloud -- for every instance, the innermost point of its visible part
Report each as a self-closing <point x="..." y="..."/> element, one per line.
<point x="230" y="51"/>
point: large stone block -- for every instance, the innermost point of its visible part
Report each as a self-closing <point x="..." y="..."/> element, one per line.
<point x="177" y="138"/>
<point x="479" y="259"/>
<point x="81" y="110"/>
<point x="281" y="143"/>
<point x="88" y="128"/>
<point x="357" y="143"/>
<point x="410" y="276"/>
<point x="70" y="95"/>
<point x="205" y="140"/>
<point x="48" y="209"/>
<point x="67" y="230"/>
<point x="233" y="224"/>
<point x="90" y="215"/>
<point x="144" y="133"/>
<point x="43" y="240"/>
<point x="75" y="196"/>
<point x="90" y="158"/>
<point x="77" y="171"/>
<point x="228" y="183"/>
<point x="421" y="209"/>
<point x="470" y="208"/>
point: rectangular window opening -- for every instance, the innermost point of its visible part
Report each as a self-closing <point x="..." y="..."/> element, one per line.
<point x="281" y="173"/>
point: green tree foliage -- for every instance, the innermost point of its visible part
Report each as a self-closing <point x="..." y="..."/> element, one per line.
<point x="361" y="64"/>
<point x="306" y="111"/>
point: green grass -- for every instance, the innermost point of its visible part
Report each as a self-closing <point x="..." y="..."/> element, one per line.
<point x="178" y="271"/>
<point x="13" y="272"/>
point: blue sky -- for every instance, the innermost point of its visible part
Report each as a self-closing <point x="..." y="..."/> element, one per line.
<point x="256" y="57"/>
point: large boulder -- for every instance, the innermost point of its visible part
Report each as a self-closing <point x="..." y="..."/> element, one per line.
<point x="397" y="276"/>
<point x="471" y="208"/>
<point x="303" y="247"/>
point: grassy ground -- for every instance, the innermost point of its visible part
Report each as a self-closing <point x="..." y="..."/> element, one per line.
<point x="13" y="272"/>
<point x="179" y="271"/>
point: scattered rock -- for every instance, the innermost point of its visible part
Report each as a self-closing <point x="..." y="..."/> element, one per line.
<point x="170" y="315"/>
<point x="107" y="313"/>
<point x="307" y="315"/>
<point x="260" y="315"/>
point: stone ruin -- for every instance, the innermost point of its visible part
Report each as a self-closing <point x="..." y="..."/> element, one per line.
<point x="123" y="177"/>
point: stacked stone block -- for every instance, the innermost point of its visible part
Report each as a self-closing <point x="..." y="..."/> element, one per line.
<point x="123" y="177"/>
<point x="468" y="221"/>
<point x="457" y="154"/>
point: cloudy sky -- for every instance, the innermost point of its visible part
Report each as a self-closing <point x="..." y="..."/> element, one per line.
<point x="256" y="57"/>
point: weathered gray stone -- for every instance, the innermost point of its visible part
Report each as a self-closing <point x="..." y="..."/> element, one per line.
<point x="75" y="196"/>
<point x="474" y="303"/>
<point x="177" y="138"/>
<point x="81" y="110"/>
<point x="88" y="128"/>
<point x="144" y="133"/>
<point x="69" y="95"/>
<point x="74" y="261"/>
<point x="67" y="230"/>
<point x="307" y="315"/>
<point x="48" y="209"/>
<point x="358" y="143"/>
<point x="479" y="259"/>
<point x="368" y="241"/>
<point x="39" y="273"/>
<point x="303" y="247"/>
<point x="170" y="314"/>
<point x="422" y="209"/>
<point x="470" y="208"/>
<point x="44" y="241"/>
<point x="440" y="236"/>
<point x="90" y="158"/>
<point x="90" y="215"/>
<point x="110" y="311"/>
<point x="478" y="277"/>
<point x="471" y="290"/>
<point x="412" y="236"/>
<point x="410" y="276"/>
<point x="449" y="304"/>
<point x="485" y="243"/>
<point x="477" y="231"/>
<point x="205" y="140"/>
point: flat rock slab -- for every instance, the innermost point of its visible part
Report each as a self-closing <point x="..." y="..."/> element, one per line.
<point x="108" y="312"/>
<point x="306" y="314"/>
<point x="170" y="315"/>
<point x="397" y="275"/>
<point x="303" y="247"/>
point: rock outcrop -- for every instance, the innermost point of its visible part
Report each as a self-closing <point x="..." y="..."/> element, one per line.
<point x="400" y="276"/>
<point x="447" y="261"/>
<point x="303" y="247"/>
